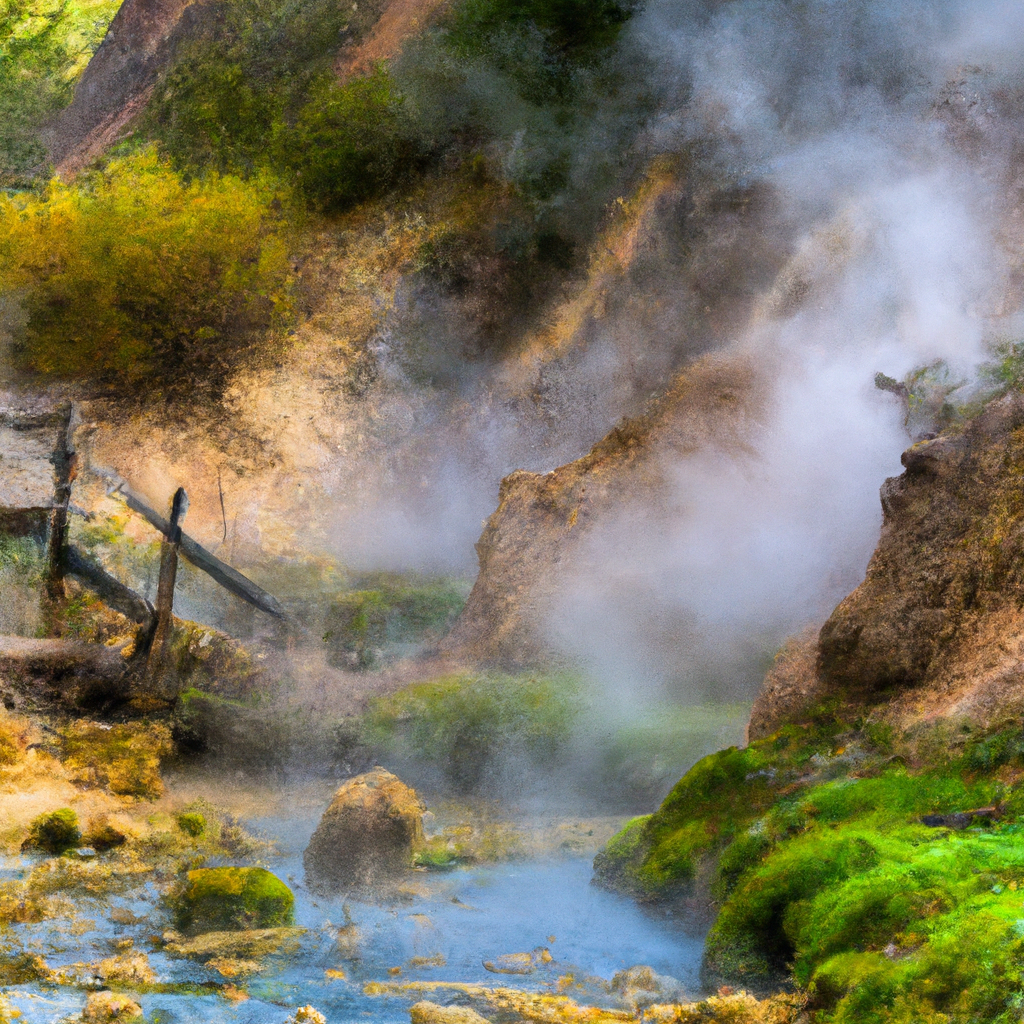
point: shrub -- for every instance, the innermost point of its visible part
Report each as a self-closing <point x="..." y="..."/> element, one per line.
<point x="44" y="44"/>
<point x="138" y="274"/>
<point x="350" y="141"/>
<point x="55" y="832"/>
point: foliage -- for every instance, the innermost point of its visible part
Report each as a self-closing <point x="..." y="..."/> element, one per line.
<point x="44" y="44"/>
<point x="192" y="823"/>
<point x="21" y="558"/>
<point x="465" y="723"/>
<point x="1004" y="370"/>
<point x="231" y="898"/>
<point x="137" y="273"/>
<point x="55" y="832"/>
<point x="124" y="758"/>
<point x="361" y="624"/>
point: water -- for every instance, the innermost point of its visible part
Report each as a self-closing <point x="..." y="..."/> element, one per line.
<point x="459" y="919"/>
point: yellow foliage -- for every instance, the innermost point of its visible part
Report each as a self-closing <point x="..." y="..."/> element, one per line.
<point x="136" y="272"/>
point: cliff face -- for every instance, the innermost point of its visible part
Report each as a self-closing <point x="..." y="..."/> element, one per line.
<point x="937" y="627"/>
<point x="539" y="532"/>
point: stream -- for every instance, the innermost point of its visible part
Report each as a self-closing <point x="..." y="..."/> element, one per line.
<point x="437" y="927"/>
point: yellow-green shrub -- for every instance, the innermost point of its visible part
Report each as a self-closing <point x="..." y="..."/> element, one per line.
<point x="136" y="272"/>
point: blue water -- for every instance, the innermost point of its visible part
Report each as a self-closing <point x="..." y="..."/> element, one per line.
<point x="466" y="916"/>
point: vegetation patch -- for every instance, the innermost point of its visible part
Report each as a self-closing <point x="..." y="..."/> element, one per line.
<point x="464" y="724"/>
<point x="135" y="273"/>
<point x="880" y="872"/>
<point x="55" y="832"/>
<point x="124" y="758"/>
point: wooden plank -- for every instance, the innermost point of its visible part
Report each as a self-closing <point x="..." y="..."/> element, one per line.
<point x="64" y="471"/>
<point x="108" y="588"/>
<point x="165" y="587"/>
<point x="230" y="579"/>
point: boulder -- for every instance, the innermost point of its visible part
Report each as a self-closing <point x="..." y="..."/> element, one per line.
<point x="220" y="899"/>
<point x="104" y="1007"/>
<point x="367" y="835"/>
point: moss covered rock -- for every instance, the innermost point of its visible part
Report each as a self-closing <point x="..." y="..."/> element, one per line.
<point x="231" y="898"/>
<point x="367" y="835"/>
<point x="55" y="832"/>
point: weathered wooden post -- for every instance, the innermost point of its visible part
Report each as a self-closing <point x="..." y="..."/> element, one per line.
<point x="165" y="587"/>
<point x="65" y="469"/>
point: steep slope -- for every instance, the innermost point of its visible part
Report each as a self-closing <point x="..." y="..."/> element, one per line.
<point x="536" y="537"/>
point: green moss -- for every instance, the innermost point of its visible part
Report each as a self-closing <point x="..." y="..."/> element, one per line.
<point x="464" y="723"/>
<point x="231" y="898"/>
<point x="55" y="832"/>
<point x="192" y="823"/>
<point x="362" y="625"/>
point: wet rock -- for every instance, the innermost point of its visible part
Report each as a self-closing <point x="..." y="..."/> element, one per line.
<point x="368" y="835"/>
<point x="229" y="899"/>
<point x="307" y="1015"/>
<point x="425" y="1012"/>
<point x="519" y="963"/>
<point x="103" y="1007"/>
<point x="239" y="945"/>
<point x="641" y="986"/>
<point x="127" y="969"/>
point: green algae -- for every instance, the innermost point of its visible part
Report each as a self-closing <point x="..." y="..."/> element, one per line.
<point x="231" y="898"/>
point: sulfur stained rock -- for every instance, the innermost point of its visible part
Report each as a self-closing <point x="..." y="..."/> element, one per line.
<point x="426" y="1012"/>
<point x="367" y="835"/>
<point x="104" y="1007"/>
<point x="519" y="963"/>
<point x="230" y="898"/>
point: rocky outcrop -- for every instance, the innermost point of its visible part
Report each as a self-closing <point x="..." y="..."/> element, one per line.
<point x="368" y="834"/>
<point x="538" y="535"/>
<point x="936" y="629"/>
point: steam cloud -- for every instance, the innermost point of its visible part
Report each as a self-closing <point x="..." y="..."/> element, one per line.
<point x="884" y="133"/>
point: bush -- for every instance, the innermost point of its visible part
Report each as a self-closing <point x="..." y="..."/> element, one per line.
<point x="55" y="832"/>
<point x="350" y="141"/>
<point x="137" y="274"/>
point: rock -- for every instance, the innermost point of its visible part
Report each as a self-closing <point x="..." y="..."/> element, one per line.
<point x="232" y="899"/>
<point x="519" y="963"/>
<point x="55" y="832"/>
<point x="367" y="835"/>
<point x="307" y="1015"/>
<point x="425" y="1012"/>
<point x="640" y="986"/>
<point x="791" y="687"/>
<point x="102" y="1007"/>
<point x="241" y="945"/>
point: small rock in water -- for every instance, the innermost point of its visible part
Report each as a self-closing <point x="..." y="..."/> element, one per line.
<point x="519" y="963"/>
<point x="307" y="1015"/>
<point x="104" y="1007"/>
<point x="425" y="1012"/>
<point x="368" y="835"/>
